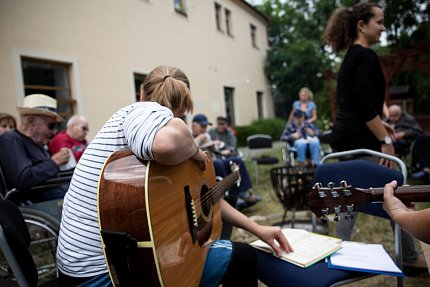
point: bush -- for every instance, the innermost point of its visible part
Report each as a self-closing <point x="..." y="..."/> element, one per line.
<point x="273" y="127"/>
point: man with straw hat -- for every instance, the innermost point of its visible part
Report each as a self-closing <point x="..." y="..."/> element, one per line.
<point x="24" y="158"/>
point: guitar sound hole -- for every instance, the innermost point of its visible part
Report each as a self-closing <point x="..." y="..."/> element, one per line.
<point x="205" y="201"/>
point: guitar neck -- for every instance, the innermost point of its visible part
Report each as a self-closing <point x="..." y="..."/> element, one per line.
<point x="219" y="189"/>
<point x="413" y="193"/>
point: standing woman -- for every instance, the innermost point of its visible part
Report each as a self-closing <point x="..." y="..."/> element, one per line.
<point x="306" y="105"/>
<point x="361" y="94"/>
<point x="361" y="83"/>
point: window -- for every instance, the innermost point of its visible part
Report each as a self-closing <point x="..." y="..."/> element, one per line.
<point x="180" y="7"/>
<point x="253" y="36"/>
<point x="138" y="81"/>
<point x="49" y="78"/>
<point x="229" y="104"/>
<point x="228" y="22"/>
<point x="260" y="105"/>
<point x="218" y="17"/>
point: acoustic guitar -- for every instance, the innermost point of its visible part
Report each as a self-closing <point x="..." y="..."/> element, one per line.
<point x="345" y="199"/>
<point x="157" y="221"/>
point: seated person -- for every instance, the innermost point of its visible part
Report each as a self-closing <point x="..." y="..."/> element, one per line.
<point x="406" y="129"/>
<point x="225" y="141"/>
<point x="24" y="158"/>
<point x="306" y="105"/>
<point x="73" y="137"/>
<point x="303" y="135"/>
<point x="145" y="127"/>
<point x="222" y="164"/>
<point x="7" y="123"/>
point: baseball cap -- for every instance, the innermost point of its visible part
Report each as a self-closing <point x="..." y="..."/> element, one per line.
<point x="201" y="119"/>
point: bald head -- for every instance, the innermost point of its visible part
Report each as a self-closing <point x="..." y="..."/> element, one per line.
<point x="394" y="113"/>
<point x="77" y="127"/>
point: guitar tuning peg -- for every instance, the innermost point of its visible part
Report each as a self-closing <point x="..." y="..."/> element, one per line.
<point x="324" y="218"/>
<point x="349" y="209"/>
<point x="317" y="186"/>
<point x="330" y="185"/>
<point x="337" y="210"/>
<point x="343" y="183"/>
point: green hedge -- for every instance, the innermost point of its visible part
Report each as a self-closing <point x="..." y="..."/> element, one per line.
<point x="273" y="127"/>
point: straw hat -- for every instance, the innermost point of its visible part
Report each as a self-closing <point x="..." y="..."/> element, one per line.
<point x="38" y="104"/>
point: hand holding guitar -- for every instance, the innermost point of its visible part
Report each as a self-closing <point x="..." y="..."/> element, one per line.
<point x="415" y="222"/>
<point x="202" y="158"/>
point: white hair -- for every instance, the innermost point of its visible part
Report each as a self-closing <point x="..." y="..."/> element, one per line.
<point x="75" y="119"/>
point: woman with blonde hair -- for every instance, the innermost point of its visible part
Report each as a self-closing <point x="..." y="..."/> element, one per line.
<point x="153" y="130"/>
<point x="306" y="105"/>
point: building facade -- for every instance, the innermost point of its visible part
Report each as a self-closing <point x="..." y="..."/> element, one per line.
<point x="92" y="55"/>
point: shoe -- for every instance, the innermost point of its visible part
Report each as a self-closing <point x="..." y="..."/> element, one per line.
<point x="419" y="174"/>
<point x="415" y="267"/>
<point x="251" y="198"/>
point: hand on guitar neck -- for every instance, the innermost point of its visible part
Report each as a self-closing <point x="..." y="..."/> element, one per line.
<point x="416" y="222"/>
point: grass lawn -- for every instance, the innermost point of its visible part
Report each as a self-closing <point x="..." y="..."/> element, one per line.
<point x="367" y="229"/>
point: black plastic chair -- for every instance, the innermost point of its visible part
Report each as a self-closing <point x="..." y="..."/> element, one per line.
<point x="259" y="143"/>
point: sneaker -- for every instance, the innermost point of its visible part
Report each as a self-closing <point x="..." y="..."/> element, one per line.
<point x="419" y="174"/>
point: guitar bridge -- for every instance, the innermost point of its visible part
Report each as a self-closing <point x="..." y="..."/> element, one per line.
<point x="191" y="213"/>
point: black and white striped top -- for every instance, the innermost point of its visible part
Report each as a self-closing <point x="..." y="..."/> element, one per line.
<point x="79" y="252"/>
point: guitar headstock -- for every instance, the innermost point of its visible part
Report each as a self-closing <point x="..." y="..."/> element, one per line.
<point x="334" y="200"/>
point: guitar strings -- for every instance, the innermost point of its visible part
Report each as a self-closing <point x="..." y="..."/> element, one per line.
<point x="206" y="200"/>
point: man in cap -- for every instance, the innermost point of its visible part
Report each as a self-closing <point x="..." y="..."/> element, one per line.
<point x="242" y="196"/>
<point x="24" y="158"/>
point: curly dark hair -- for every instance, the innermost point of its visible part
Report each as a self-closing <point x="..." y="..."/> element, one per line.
<point x="341" y="30"/>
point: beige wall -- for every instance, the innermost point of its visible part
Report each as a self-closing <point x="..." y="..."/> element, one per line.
<point x="107" y="40"/>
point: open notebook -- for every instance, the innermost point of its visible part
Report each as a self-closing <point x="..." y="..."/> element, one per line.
<point x="309" y="247"/>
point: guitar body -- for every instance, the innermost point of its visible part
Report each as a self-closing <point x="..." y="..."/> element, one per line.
<point x="166" y="210"/>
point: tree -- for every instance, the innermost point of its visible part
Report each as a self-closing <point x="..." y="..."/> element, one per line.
<point x="297" y="57"/>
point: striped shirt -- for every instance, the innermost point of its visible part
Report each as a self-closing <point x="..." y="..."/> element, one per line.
<point x="80" y="252"/>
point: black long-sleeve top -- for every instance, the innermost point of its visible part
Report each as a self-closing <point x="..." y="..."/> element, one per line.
<point x="361" y="93"/>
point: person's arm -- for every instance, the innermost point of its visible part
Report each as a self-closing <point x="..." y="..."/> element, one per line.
<point x="378" y="129"/>
<point x="314" y="116"/>
<point x="415" y="222"/>
<point x="174" y="143"/>
<point x="272" y="235"/>
<point x="24" y="172"/>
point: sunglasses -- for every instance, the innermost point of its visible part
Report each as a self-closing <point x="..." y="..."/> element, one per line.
<point x="52" y="126"/>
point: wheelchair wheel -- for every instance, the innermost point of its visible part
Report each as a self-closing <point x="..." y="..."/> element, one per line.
<point x="44" y="230"/>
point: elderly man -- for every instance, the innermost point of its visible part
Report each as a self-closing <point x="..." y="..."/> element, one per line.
<point x="24" y="159"/>
<point x="406" y="129"/>
<point x="73" y="137"/>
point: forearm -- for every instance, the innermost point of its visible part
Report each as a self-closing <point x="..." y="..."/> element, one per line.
<point x="173" y="143"/>
<point x="236" y="218"/>
<point x="416" y="223"/>
<point x="377" y="128"/>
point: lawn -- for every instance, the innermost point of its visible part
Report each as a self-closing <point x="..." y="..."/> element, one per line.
<point x="367" y="229"/>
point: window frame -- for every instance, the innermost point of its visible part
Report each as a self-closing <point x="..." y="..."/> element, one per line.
<point x="70" y="102"/>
